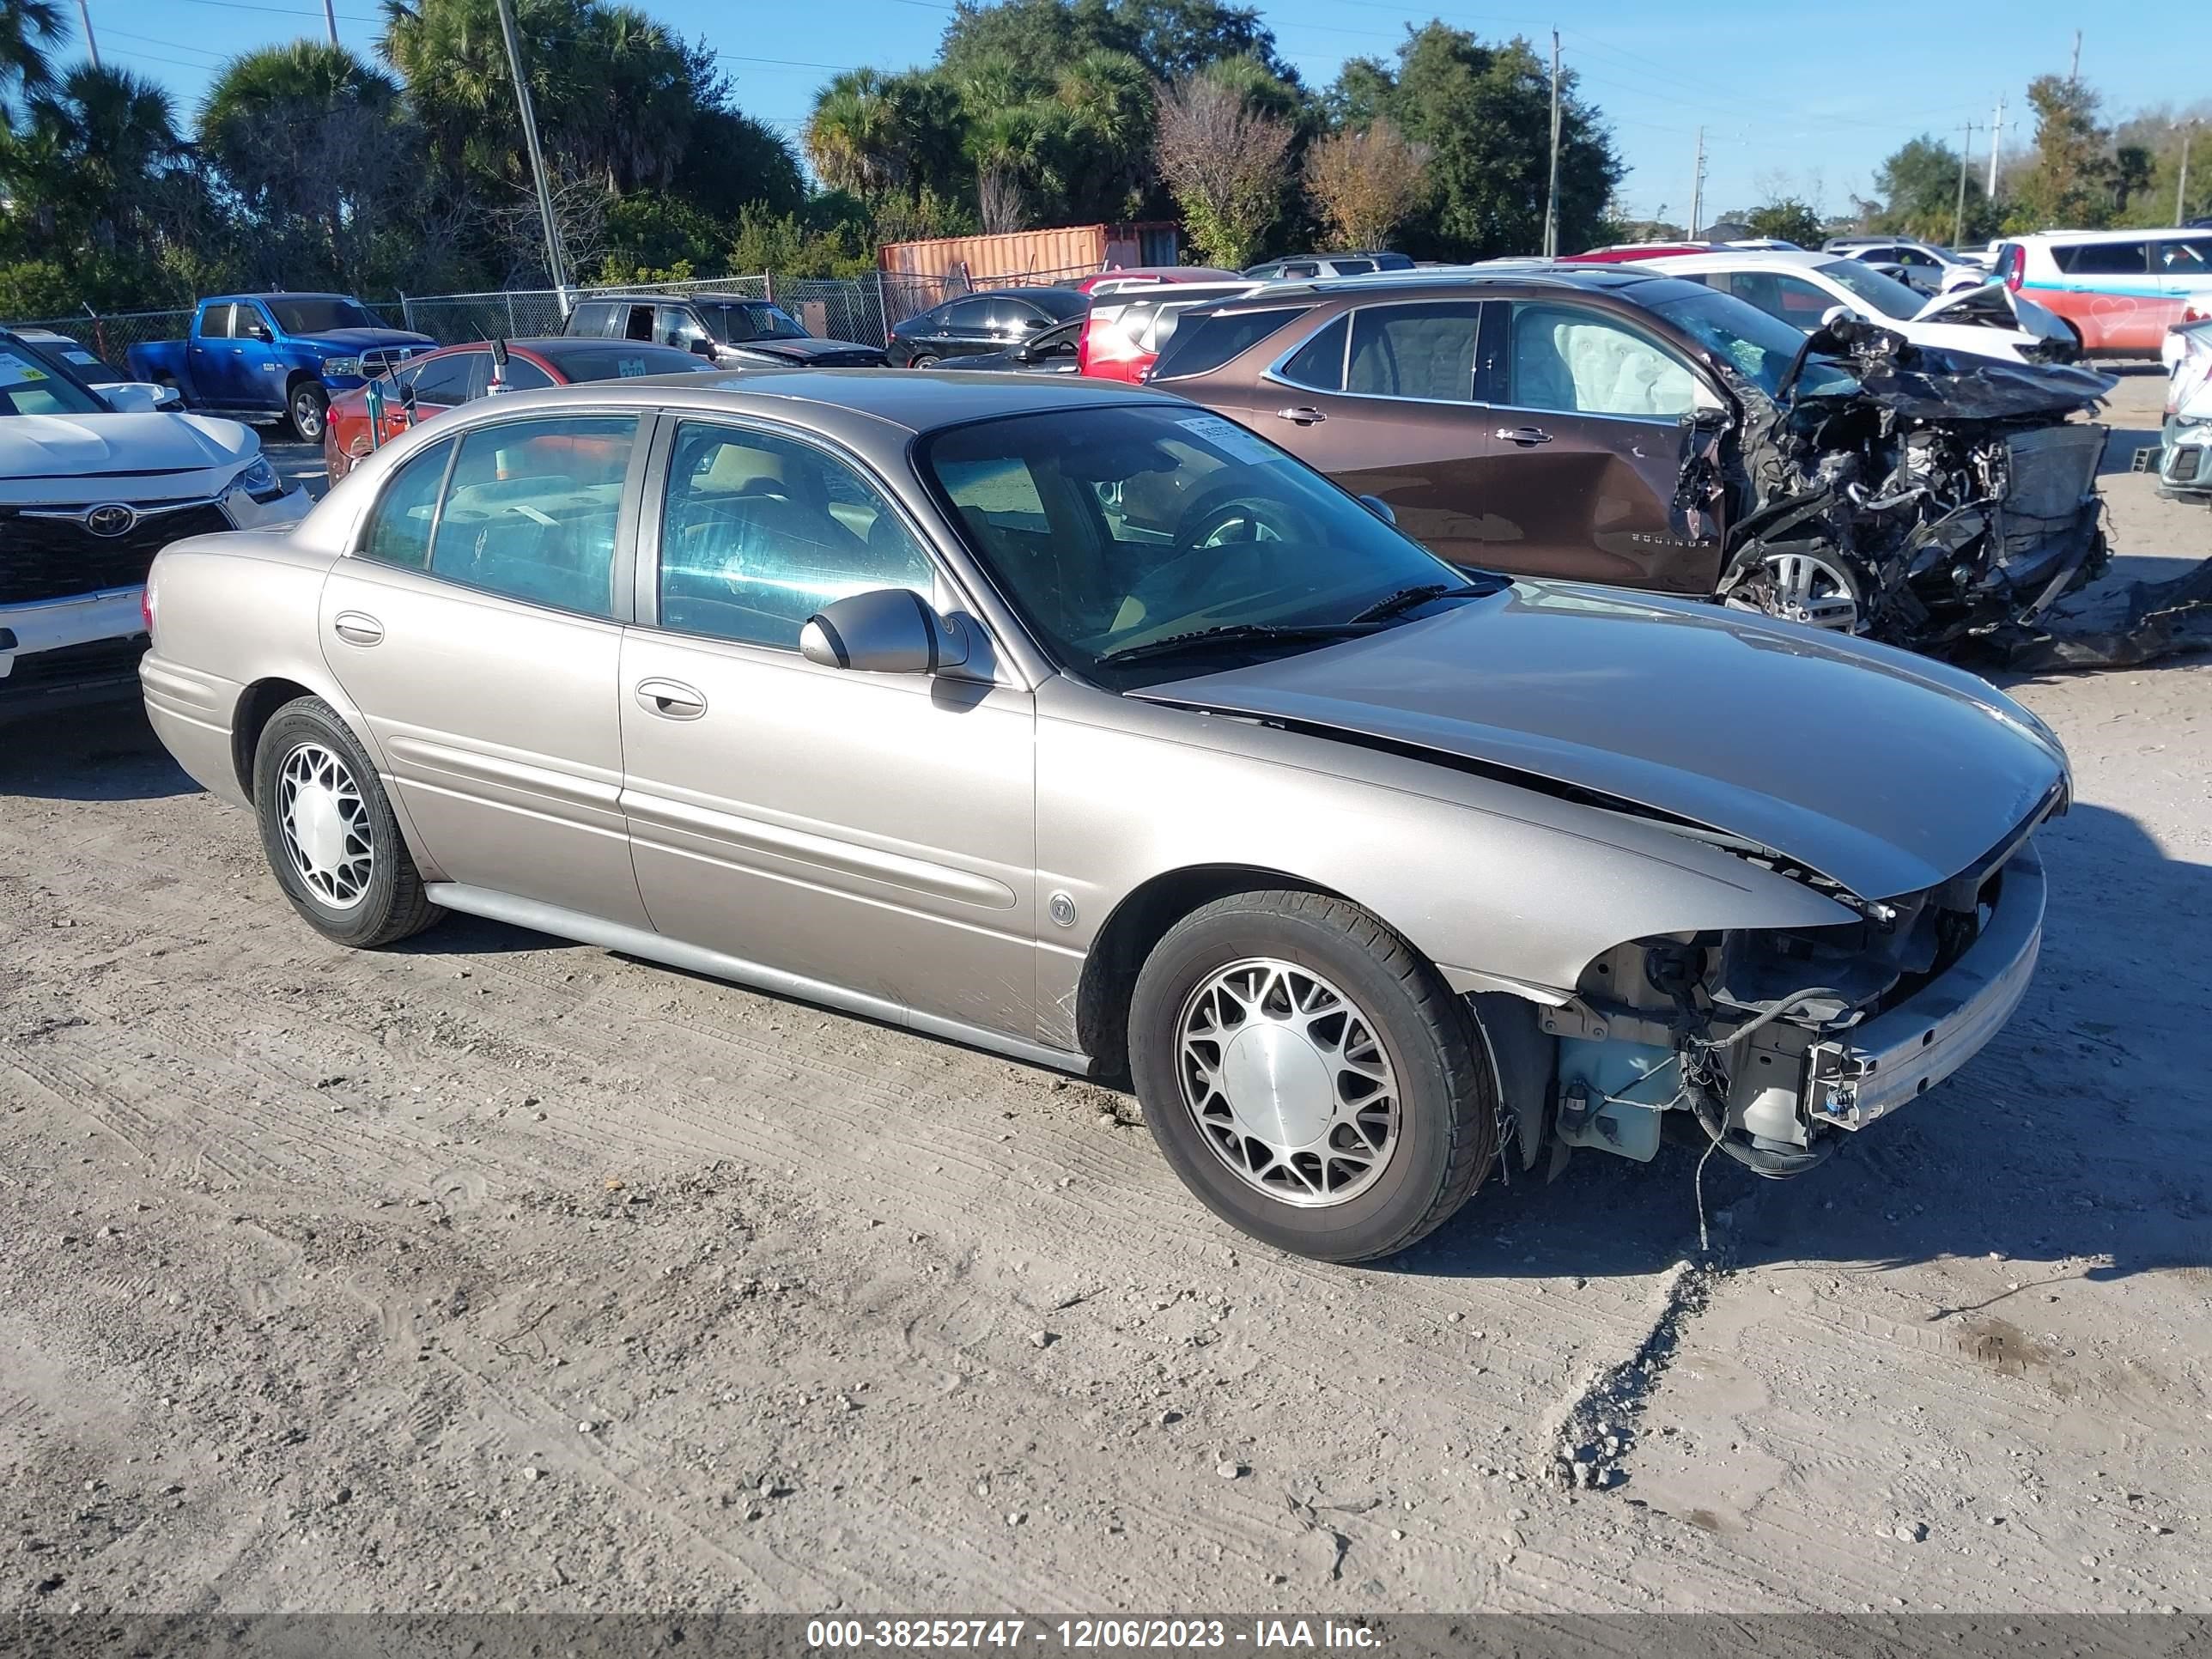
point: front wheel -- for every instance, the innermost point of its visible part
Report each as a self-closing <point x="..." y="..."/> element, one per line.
<point x="1309" y="1076"/>
<point x="329" y="833"/>
<point x="309" y="411"/>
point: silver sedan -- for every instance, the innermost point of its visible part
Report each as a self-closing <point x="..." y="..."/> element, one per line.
<point x="1083" y="725"/>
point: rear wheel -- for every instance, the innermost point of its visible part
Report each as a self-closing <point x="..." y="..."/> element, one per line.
<point x="923" y="359"/>
<point x="309" y="411"/>
<point x="329" y="833"/>
<point x="1309" y="1076"/>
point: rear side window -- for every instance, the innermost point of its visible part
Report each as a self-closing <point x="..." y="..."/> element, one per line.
<point x="1319" y="363"/>
<point x="967" y="314"/>
<point x="215" y="323"/>
<point x="1198" y="345"/>
<point x="2103" y="258"/>
<point x="592" y="319"/>
<point x="400" y="531"/>
<point x="449" y="379"/>
<point x="1424" y="352"/>
<point x="531" y="509"/>
<point x="1353" y="267"/>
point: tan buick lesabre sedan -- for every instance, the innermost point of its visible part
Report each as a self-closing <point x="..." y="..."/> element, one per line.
<point x="1077" y="723"/>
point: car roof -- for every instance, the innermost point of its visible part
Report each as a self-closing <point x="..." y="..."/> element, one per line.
<point x="1538" y="273"/>
<point x="1745" y="259"/>
<point x="275" y="294"/>
<point x="679" y="298"/>
<point x="2054" y="237"/>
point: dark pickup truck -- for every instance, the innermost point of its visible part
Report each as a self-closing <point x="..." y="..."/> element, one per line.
<point x="276" y="356"/>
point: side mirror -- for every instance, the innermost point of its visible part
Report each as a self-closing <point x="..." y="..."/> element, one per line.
<point x="258" y="332"/>
<point x="701" y="346"/>
<point x="1835" y="314"/>
<point x="1379" y="507"/>
<point x="886" y="630"/>
<point x="137" y="398"/>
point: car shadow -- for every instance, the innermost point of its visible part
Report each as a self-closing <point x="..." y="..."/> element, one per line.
<point x="2077" y="1133"/>
<point x="2121" y="443"/>
<point x="100" y="751"/>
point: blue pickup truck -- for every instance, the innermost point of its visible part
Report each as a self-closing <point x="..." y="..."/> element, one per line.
<point x="276" y="356"/>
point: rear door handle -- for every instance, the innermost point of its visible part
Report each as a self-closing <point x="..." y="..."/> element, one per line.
<point x="670" y="699"/>
<point x="1303" y="414"/>
<point x="1526" y="436"/>
<point x="357" y="628"/>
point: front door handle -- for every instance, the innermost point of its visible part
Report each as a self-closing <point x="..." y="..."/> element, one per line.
<point x="670" y="699"/>
<point x="357" y="628"/>
<point x="1302" y="414"/>
<point x="1526" y="436"/>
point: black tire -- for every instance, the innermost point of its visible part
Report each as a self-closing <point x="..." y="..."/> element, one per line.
<point x="923" y="359"/>
<point x="391" y="904"/>
<point x="308" y="410"/>
<point x="1447" y="1134"/>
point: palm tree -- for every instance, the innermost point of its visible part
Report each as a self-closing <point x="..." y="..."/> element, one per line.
<point x="29" y="30"/>
<point x="101" y="141"/>
<point x="1108" y="98"/>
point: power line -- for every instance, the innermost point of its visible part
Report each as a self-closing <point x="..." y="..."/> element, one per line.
<point x="282" y="11"/>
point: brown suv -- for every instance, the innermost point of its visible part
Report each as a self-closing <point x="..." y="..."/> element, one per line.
<point x="1539" y="421"/>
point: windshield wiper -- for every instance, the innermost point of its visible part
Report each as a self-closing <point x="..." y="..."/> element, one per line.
<point x="1406" y="598"/>
<point x="1233" y="634"/>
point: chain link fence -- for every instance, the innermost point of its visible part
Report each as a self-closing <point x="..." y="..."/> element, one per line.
<point x="861" y="309"/>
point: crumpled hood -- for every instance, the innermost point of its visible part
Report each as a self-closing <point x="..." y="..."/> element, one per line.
<point x="1998" y="307"/>
<point x="347" y="342"/>
<point x="70" y="458"/>
<point x="1886" y="772"/>
<point x="1945" y="387"/>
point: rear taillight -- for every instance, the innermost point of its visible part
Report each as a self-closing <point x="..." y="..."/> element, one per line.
<point x="2015" y="269"/>
<point x="146" y="608"/>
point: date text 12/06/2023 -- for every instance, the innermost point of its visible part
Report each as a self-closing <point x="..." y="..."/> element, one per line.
<point x="1085" y="1635"/>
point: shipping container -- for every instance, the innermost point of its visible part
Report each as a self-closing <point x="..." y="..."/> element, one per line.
<point x="1018" y="256"/>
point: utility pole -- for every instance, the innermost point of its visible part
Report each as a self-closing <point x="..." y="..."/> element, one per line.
<point x="2073" y="72"/>
<point x="91" y="45"/>
<point x="537" y="156"/>
<point x="2181" y="190"/>
<point x="1551" y="197"/>
<point x="1697" y="185"/>
<point x="1996" y="138"/>
<point x="330" y="17"/>
<point x="1959" y="217"/>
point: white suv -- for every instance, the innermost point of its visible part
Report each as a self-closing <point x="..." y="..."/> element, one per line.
<point x="92" y="486"/>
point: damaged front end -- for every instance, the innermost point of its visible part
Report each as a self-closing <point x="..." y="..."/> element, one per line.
<point x="1940" y="502"/>
<point x="1778" y="1042"/>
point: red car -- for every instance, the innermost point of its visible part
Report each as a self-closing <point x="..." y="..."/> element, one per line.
<point x="447" y="377"/>
<point x="1126" y="327"/>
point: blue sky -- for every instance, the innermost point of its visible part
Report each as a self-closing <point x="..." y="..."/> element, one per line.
<point x="1805" y="100"/>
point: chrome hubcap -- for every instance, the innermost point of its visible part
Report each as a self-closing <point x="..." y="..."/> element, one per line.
<point x="325" y="824"/>
<point x="1808" y="589"/>
<point x="1288" y="1083"/>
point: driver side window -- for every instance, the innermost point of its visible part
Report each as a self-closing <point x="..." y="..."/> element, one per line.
<point x="1571" y="362"/>
<point x="758" y="533"/>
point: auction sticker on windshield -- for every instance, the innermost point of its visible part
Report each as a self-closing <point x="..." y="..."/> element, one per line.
<point x="1230" y="439"/>
<point x="14" y="371"/>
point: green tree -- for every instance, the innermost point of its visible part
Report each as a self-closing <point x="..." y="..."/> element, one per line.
<point x="1227" y="161"/>
<point x="1484" y="112"/>
<point x="318" y="150"/>
<point x="1787" y="219"/>
<point x="30" y="32"/>
<point x="2069" y="185"/>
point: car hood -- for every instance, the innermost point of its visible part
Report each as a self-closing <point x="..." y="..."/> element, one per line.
<point x="1883" y="771"/>
<point x="806" y="351"/>
<point x="70" y="457"/>
<point x="350" y="340"/>
<point x="1994" y="305"/>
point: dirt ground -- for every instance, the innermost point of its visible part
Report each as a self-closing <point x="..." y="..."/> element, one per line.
<point x="497" y="1272"/>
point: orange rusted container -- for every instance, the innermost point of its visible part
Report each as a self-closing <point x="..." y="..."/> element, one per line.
<point x="1032" y="255"/>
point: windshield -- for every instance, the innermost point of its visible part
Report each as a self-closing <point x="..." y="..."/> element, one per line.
<point x="735" y="324"/>
<point x="28" y="386"/>
<point x="1758" y="346"/>
<point x="318" y="313"/>
<point x="1884" y="293"/>
<point x="1109" y="528"/>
